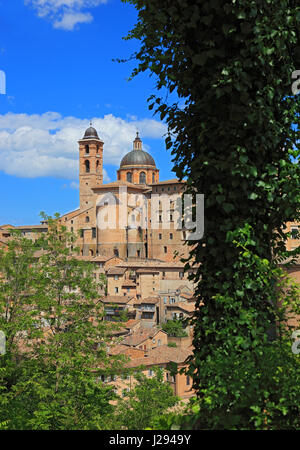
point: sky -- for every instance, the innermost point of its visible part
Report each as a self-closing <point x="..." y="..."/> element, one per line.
<point x="57" y="57"/>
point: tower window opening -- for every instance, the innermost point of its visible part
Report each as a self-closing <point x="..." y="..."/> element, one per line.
<point x="129" y="177"/>
<point x="87" y="149"/>
<point x="87" y="166"/>
<point x="97" y="166"/>
<point x="87" y="219"/>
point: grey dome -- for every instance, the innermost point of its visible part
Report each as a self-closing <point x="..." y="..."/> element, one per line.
<point x="137" y="158"/>
<point x="91" y="133"/>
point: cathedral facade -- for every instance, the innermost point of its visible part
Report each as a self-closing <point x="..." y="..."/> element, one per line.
<point x="133" y="196"/>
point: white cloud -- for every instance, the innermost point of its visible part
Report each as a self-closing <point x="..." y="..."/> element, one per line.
<point x="65" y="14"/>
<point x="46" y="145"/>
<point x="69" y="20"/>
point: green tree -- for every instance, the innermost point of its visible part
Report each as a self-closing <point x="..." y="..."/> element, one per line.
<point x="142" y="405"/>
<point x="233" y="128"/>
<point x="51" y="314"/>
<point x="174" y="328"/>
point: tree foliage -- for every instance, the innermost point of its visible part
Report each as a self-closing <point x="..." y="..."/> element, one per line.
<point x="233" y="129"/>
<point x="174" y="328"/>
<point x="51" y="314"/>
<point x="148" y="400"/>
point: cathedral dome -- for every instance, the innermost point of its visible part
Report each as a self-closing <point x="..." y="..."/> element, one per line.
<point x="137" y="156"/>
<point x="91" y="133"/>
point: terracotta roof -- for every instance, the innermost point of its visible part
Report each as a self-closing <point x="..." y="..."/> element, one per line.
<point x="120" y="349"/>
<point x="75" y="213"/>
<point x="150" y="300"/>
<point x="140" y="335"/>
<point x="116" y="299"/>
<point x="147" y="270"/>
<point x="131" y="323"/>
<point x="29" y="227"/>
<point x="172" y="181"/>
<point x="187" y="307"/>
<point x="162" y="355"/>
<point x="155" y="264"/>
<point x="116" y="270"/>
<point x="117" y="184"/>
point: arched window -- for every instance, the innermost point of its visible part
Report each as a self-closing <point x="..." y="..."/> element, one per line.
<point x="87" y="166"/>
<point x="91" y="253"/>
<point x="87" y="149"/>
<point x="153" y="178"/>
<point x="142" y="178"/>
<point x="97" y="166"/>
<point x="87" y="219"/>
<point x="129" y="177"/>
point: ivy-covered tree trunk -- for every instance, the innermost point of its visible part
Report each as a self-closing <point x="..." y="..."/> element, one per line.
<point x="233" y="131"/>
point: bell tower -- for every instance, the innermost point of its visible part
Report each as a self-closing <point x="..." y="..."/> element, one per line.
<point x="90" y="166"/>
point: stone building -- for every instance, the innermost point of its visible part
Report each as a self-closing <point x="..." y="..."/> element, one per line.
<point x="114" y="219"/>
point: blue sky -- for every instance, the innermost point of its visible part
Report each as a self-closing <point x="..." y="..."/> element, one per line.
<point x="57" y="57"/>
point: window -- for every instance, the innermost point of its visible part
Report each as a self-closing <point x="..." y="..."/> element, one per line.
<point x="165" y="300"/>
<point x="171" y="235"/>
<point x="294" y="232"/>
<point x="166" y="249"/>
<point x="181" y="275"/>
<point x="129" y="177"/>
<point x="153" y="178"/>
<point x="116" y="277"/>
<point x="138" y="253"/>
<point x="87" y="219"/>
<point x="81" y="233"/>
<point x="171" y="217"/>
<point x="97" y="166"/>
<point x="142" y="178"/>
<point x="116" y="252"/>
<point x="87" y="166"/>
<point x="159" y="218"/>
<point x="116" y="290"/>
<point x="72" y="229"/>
<point x="159" y="236"/>
<point x="158" y="342"/>
<point x="153" y="340"/>
<point x="91" y="253"/>
<point x="93" y="233"/>
<point x="187" y="380"/>
<point x="87" y="149"/>
<point x="150" y="373"/>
